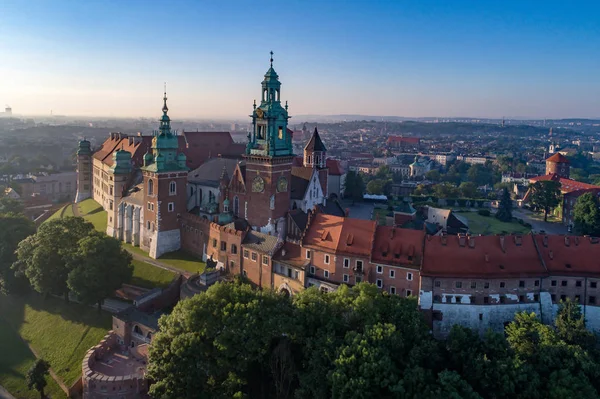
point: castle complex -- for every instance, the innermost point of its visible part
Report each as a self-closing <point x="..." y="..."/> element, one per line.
<point x="259" y="211"/>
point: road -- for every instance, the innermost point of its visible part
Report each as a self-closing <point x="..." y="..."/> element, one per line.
<point x="537" y="224"/>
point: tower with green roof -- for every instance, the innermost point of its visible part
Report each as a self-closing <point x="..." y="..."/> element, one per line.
<point x="269" y="156"/>
<point x="165" y="181"/>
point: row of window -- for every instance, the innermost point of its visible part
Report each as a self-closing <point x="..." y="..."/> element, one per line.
<point x="327" y="260"/>
<point x="522" y="283"/>
<point x="170" y="206"/>
<point x="254" y="257"/>
<point x="486" y="299"/>
<point x="172" y="187"/>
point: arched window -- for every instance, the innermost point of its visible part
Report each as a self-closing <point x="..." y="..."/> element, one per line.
<point x="172" y="188"/>
<point x="236" y="205"/>
<point x="233" y="249"/>
<point x="137" y="330"/>
<point x="150" y="187"/>
<point x="149" y="335"/>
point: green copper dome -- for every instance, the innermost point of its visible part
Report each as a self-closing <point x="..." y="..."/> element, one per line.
<point x="121" y="162"/>
<point x="84" y="148"/>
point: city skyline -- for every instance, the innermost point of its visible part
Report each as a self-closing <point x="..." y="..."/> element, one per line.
<point x="369" y="58"/>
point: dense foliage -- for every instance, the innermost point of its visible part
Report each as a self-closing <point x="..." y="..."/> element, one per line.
<point x="36" y="376"/>
<point x="545" y="195"/>
<point x="504" y="212"/>
<point x="586" y="215"/>
<point x="234" y="341"/>
<point x="15" y="228"/>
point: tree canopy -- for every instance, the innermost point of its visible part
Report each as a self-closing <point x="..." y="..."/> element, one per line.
<point x="15" y="228"/>
<point x="545" y="195"/>
<point x="504" y="212"/>
<point x="586" y="215"/>
<point x="354" y="186"/>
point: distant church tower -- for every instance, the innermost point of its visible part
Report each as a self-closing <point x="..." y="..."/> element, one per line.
<point x="315" y="156"/>
<point x="269" y="156"/>
<point x="165" y="181"/>
<point x="84" y="171"/>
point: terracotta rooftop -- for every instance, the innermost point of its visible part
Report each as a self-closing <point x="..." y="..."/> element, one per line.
<point x="395" y="246"/>
<point x="570" y="255"/>
<point x="481" y="256"/>
<point x="291" y="254"/>
<point x="558" y="158"/>
<point x="566" y="185"/>
<point x="335" y="167"/>
<point x="341" y="235"/>
<point x="400" y="139"/>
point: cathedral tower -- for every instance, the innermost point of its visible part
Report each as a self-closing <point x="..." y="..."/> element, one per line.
<point x="269" y="158"/>
<point x="84" y="171"/>
<point x="165" y="181"/>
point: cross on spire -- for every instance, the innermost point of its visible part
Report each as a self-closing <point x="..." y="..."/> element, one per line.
<point x="271" y="58"/>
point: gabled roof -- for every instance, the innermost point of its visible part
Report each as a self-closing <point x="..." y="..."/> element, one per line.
<point x="315" y="143"/>
<point x="394" y="246"/>
<point x="481" y="257"/>
<point x="300" y="181"/>
<point x="566" y="185"/>
<point x="135" y="145"/>
<point x="342" y="235"/>
<point x="558" y="158"/>
<point x="210" y="172"/>
<point x="570" y="255"/>
<point x="335" y="167"/>
<point x="291" y="254"/>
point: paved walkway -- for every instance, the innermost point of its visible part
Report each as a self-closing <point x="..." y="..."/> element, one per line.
<point x="537" y="224"/>
<point x="4" y="394"/>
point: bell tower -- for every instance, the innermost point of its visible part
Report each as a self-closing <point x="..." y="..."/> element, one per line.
<point x="269" y="156"/>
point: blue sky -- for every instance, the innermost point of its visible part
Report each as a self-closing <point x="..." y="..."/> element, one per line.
<point x="414" y="58"/>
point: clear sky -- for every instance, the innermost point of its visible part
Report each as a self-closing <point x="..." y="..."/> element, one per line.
<point x="483" y="58"/>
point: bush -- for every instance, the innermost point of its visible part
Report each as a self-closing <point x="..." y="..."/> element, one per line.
<point x="484" y="212"/>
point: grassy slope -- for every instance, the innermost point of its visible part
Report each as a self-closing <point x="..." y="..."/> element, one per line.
<point x="59" y="332"/>
<point x="148" y="276"/>
<point x="92" y="211"/>
<point x="15" y="360"/>
<point x="488" y="225"/>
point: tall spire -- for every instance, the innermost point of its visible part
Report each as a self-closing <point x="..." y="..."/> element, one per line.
<point x="271" y="58"/>
<point x="165" y="109"/>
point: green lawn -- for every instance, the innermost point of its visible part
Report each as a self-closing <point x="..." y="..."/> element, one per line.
<point x="65" y="211"/>
<point x="488" y="225"/>
<point x="15" y="360"/>
<point x="183" y="261"/>
<point x="59" y="332"/>
<point x="148" y="276"/>
<point x="92" y="211"/>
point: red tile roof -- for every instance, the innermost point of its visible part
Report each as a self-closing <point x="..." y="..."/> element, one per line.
<point x="340" y="235"/>
<point x="400" y="139"/>
<point x="292" y="255"/>
<point x="394" y="246"/>
<point x="335" y="167"/>
<point x="487" y="258"/>
<point x="136" y="145"/>
<point x="558" y="158"/>
<point x="566" y="185"/>
<point x="570" y="255"/>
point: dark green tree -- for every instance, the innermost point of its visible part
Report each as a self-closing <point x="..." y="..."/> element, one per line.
<point x="545" y="195"/>
<point x="36" y="376"/>
<point x="586" y="215"/>
<point x="98" y="268"/>
<point x="46" y="258"/>
<point x="376" y="186"/>
<point x="15" y="228"/>
<point x="468" y="190"/>
<point x="504" y="212"/>
<point x="9" y="205"/>
<point x="570" y="325"/>
<point x="354" y="187"/>
<point x="433" y="175"/>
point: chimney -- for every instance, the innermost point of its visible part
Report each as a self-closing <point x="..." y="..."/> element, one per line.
<point x="471" y="242"/>
<point x="462" y="239"/>
<point x="518" y="240"/>
<point x="502" y="244"/>
<point x="545" y="241"/>
<point x="567" y="241"/>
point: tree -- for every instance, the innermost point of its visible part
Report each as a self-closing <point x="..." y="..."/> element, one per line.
<point x="376" y="187"/>
<point x="36" y="376"/>
<point x="9" y="205"/>
<point x="570" y="325"/>
<point x="446" y="190"/>
<point x="504" y="212"/>
<point x="354" y="187"/>
<point x="545" y="195"/>
<point x="468" y="190"/>
<point x="433" y="175"/>
<point x="15" y="228"/>
<point x="587" y="215"/>
<point x="99" y="267"/>
<point x="46" y="257"/>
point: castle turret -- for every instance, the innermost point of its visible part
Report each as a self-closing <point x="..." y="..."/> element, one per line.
<point x="315" y="156"/>
<point x="120" y="171"/>
<point x="84" y="171"/>
<point x="558" y="164"/>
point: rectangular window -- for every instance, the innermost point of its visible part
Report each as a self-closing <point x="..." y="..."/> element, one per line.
<point x="553" y="283"/>
<point x="592" y="300"/>
<point x="111" y="205"/>
<point x="171" y="206"/>
<point x="223" y="246"/>
<point x="359" y="265"/>
<point x="245" y="273"/>
<point x="346" y="278"/>
<point x="593" y="284"/>
<point x="265" y="260"/>
<point x="148" y="206"/>
<point x="346" y="263"/>
<point x="577" y="298"/>
<point x="312" y="270"/>
<point x="296" y="275"/>
<point x="473" y="284"/>
<point x="408" y="293"/>
<point x="254" y="256"/>
<point x="522" y="298"/>
<point x="486" y="300"/>
<point x="379" y="283"/>
<point x="308" y="254"/>
<point x="536" y="297"/>
<point x="379" y="269"/>
<point x="578" y="283"/>
<point x="392" y="273"/>
<point x="393" y="290"/>
<point x="563" y="283"/>
<point x="326" y="273"/>
<point x="486" y="285"/>
<point x="502" y="284"/>
<point x="246" y="253"/>
<point x="458" y="284"/>
<point x="458" y="299"/>
<point x="326" y="259"/>
<point x="358" y="279"/>
<point x="553" y="298"/>
<point x="536" y="283"/>
<point x="409" y="276"/>
<point x="563" y="298"/>
<point x="521" y="284"/>
<point x="214" y="242"/>
<point x="438" y="284"/>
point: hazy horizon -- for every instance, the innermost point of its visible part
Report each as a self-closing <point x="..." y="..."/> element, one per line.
<point x="464" y="59"/>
